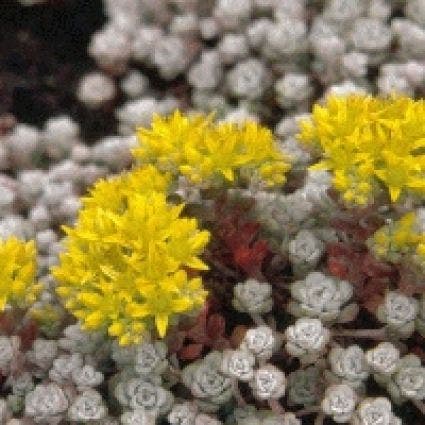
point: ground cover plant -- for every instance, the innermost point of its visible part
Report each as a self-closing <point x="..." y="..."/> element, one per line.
<point x="211" y="212"/>
<point x="198" y="288"/>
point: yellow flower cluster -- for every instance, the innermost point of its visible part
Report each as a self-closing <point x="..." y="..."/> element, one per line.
<point x="17" y="273"/>
<point x="112" y="194"/>
<point x="399" y="238"/>
<point x="202" y="151"/>
<point x="126" y="264"/>
<point x="369" y="143"/>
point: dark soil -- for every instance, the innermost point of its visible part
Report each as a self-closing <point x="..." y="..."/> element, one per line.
<point x="43" y="53"/>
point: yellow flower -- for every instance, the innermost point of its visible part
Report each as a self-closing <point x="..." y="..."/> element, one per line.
<point x="173" y="299"/>
<point x="202" y="151"/>
<point x="398" y="238"/>
<point x="17" y="273"/>
<point x="368" y="143"/>
<point x="112" y="193"/>
<point x="124" y="265"/>
<point x="48" y="318"/>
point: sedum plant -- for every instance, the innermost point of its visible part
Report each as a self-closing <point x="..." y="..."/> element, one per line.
<point x="18" y="287"/>
<point x="369" y="144"/>
<point x="125" y="268"/>
<point x="204" y="152"/>
<point x="399" y="240"/>
<point x="285" y="288"/>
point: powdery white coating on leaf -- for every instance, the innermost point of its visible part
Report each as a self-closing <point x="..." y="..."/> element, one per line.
<point x="150" y="358"/>
<point x="248" y="79"/>
<point x="372" y="411"/>
<point x="268" y="383"/>
<point x="183" y="414"/>
<point x="253" y="297"/>
<point x="238" y="364"/>
<point x="383" y="358"/>
<point x="339" y="402"/>
<point x="306" y="336"/>
<point x="207" y="382"/>
<point x="44" y="401"/>
<point x="88" y="406"/>
<point x="349" y="364"/>
<point x="260" y="341"/>
<point x="399" y="312"/>
<point x="138" y="393"/>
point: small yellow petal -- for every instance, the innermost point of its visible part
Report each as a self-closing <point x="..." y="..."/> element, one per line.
<point x="161" y="322"/>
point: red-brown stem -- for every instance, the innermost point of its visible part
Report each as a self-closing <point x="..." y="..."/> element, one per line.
<point x="276" y="406"/>
<point x="237" y="394"/>
<point x="258" y="275"/>
<point x="271" y="322"/>
<point x="307" y="411"/>
<point x="361" y="333"/>
<point x="221" y="268"/>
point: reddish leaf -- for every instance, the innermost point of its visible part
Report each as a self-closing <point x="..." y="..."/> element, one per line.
<point x="338" y="267"/>
<point x="408" y="282"/>
<point x="238" y="335"/>
<point x="7" y="323"/>
<point x="239" y="236"/>
<point x="359" y="226"/>
<point x="256" y="253"/>
<point x="216" y="326"/>
<point x="175" y="341"/>
<point x="247" y="232"/>
<point x="220" y="344"/>
<point x="198" y="334"/>
<point x="334" y="249"/>
<point x="191" y="352"/>
<point x="418" y="348"/>
<point x="372" y="302"/>
<point x="27" y="334"/>
<point x="419" y="352"/>
<point x="372" y="267"/>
